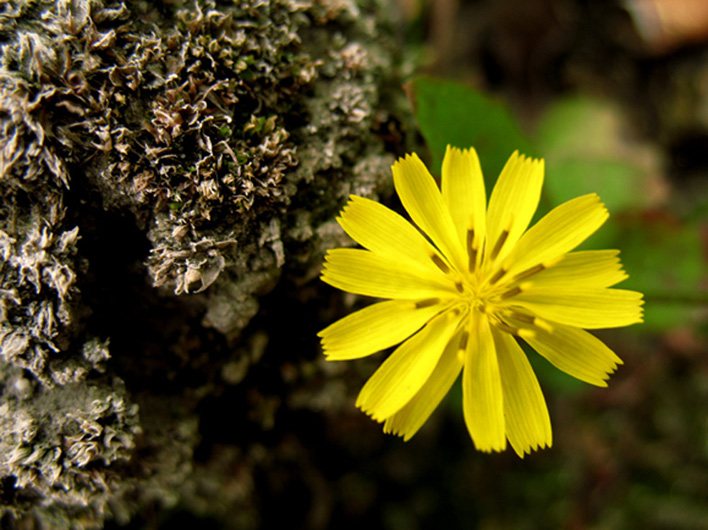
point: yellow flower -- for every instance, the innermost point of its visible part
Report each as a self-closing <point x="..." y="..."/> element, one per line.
<point x="459" y="298"/>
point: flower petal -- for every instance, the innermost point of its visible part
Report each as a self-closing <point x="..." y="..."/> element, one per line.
<point x="376" y="327"/>
<point x="513" y="202"/>
<point x="528" y="425"/>
<point x="407" y="369"/>
<point x="421" y="198"/>
<point x="363" y="272"/>
<point x="577" y="353"/>
<point x="386" y="233"/>
<point x="407" y="421"/>
<point x="592" y="269"/>
<point x="482" y="398"/>
<point x="463" y="192"/>
<point x="589" y="308"/>
<point x="558" y="232"/>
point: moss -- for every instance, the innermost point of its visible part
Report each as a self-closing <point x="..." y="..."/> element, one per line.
<point x="228" y="133"/>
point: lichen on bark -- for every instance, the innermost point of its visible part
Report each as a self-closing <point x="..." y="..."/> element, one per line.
<point x="165" y="164"/>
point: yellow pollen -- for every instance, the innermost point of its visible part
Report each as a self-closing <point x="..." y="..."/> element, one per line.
<point x="461" y="356"/>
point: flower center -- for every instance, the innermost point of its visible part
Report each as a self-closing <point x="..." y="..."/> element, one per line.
<point x="490" y="290"/>
<point x="485" y="293"/>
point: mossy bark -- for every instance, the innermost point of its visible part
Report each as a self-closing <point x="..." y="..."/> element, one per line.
<point x="169" y="174"/>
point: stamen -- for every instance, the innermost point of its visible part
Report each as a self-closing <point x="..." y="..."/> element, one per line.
<point x="461" y="356"/>
<point x="542" y="324"/>
<point x="473" y="250"/>
<point x="520" y="316"/>
<point x="527" y="333"/>
<point x="427" y="302"/>
<point x="464" y="338"/>
<point x="510" y="293"/>
<point x="500" y="243"/>
<point x="529" y="272"/>
<point x="460" y="288"/>
<point x="517" y="332"/>
<point x="499" y="274"/>
<point x="440" y="263"/>
<point x="534" y="321"/>
<point x="506" y="327"/>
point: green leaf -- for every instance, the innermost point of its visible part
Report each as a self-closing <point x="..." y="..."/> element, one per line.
<point x="452" y="113"/>
<point x="665" y="260"/>
<point x="579" y="126"/>
<point x="586" y="151"/>
<point x="618" y="183"/>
